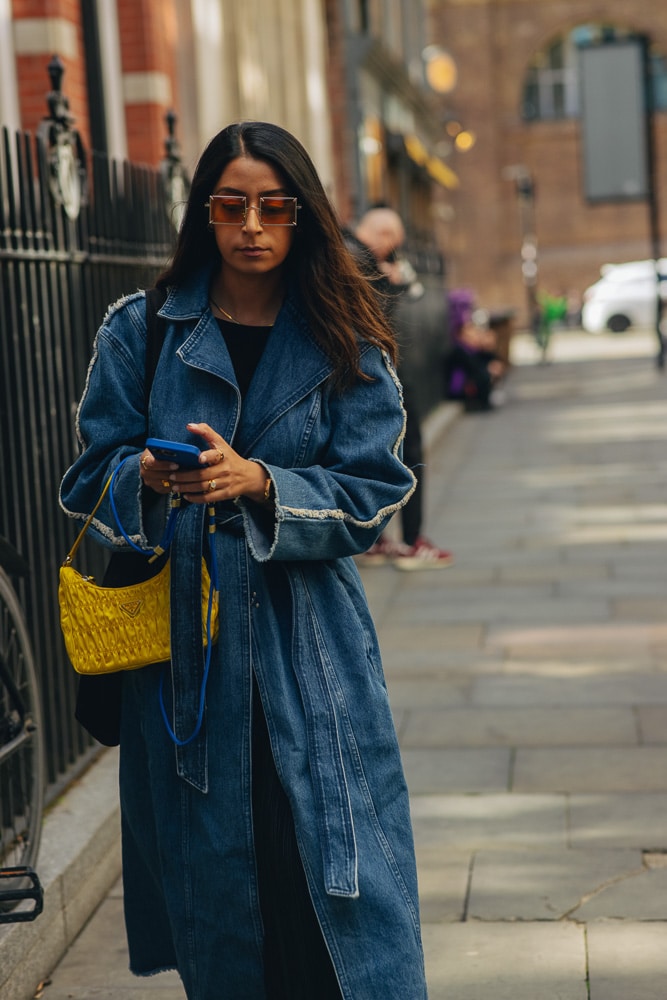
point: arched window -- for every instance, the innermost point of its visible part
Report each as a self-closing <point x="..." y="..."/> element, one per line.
<point x="551" y="87"/>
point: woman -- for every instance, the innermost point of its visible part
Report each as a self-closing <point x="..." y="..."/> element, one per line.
<point x="268" y="854"/>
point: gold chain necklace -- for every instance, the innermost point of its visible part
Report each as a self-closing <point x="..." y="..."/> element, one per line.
<point x="223" y="311"/>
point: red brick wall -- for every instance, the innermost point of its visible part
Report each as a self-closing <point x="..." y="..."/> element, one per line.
<point x="493" y="42"/>
<point x="31" y="69"/>
<point x="148" y="34"/>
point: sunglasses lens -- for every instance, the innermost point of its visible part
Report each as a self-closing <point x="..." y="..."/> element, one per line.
<point x="278" y="211"/>
<point x="231" y="210"/>
<point x="227" y="210"/>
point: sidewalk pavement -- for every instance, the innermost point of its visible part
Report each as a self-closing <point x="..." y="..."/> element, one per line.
<point x="529" y="685"/>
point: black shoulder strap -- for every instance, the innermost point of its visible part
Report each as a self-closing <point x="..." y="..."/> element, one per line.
<point x="155" y="326"/>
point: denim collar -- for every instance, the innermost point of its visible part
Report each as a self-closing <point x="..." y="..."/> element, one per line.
<point x="292" y="364"/>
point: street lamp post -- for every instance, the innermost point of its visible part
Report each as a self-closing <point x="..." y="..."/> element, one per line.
<point x="525" y="190"/>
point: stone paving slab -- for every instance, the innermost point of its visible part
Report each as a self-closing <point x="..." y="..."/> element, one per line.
<point x="548" y="885"/>
<point x="642" y="567"/>
<point x="591" y="769"/>
<point x="578" y="664"/>
<point x="652" y="722"/>
<point x="639" y="896"/>
<point x="498" y="608"/>
<point x="555" y="573"/>
<point x="405" y="638"/>
<point x="434" y="771"/>
<point x="600" y="640"/>
<point x="443" y="883"/>
<point x="552" y="727"/>
<point x="434" y="596"/>
<point x="627" y="961"/>
<point x="633" y="599"/>
<point x="598" y="690"/>
<point x="632" y="819"/>
<point x="427" y="693"/>
<point x="644" y="609"/>
<point x="446" y="662"/>
<point x="428" y="665"/>
<point x="508" y="961"/>
<point x="475" y="822"/>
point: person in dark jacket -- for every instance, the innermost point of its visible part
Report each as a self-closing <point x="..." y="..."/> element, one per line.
<point x="376" y="244"/>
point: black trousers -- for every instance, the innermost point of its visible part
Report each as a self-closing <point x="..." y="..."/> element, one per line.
<point x="297" y="965"/>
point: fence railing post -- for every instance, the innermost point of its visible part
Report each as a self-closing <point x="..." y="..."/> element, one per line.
<point x="64" y="148"/>
<point x="174" y="177"/>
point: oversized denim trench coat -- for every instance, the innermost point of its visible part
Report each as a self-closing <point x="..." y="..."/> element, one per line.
<point x="293" y="610"/>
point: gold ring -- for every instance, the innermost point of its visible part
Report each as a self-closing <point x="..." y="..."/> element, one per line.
<point x="211" y="485"/>
<point x="142" y="461"/>
<point x="166" y="484"/>
<point x="221" y="455"/>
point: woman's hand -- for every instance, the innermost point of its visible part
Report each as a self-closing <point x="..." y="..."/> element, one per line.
<point x="155" y="474"/>
<point x="225" y="476"/>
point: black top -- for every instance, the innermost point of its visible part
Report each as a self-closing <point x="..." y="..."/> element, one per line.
<point x="245" y="345"/>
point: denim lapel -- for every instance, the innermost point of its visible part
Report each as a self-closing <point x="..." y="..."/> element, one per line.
<point x="291" y="366"/>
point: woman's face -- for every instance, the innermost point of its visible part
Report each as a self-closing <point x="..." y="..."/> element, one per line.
<point x="249" y="247"/>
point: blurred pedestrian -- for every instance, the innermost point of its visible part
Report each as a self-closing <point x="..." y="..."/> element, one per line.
<point x="376" y="243"/>
<point x="267" y="846"/>
<point x="552" y="312"/>
<point x="473" y="368"/>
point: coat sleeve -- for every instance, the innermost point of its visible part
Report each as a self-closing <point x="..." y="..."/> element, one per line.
<point x="111" y="425"/>
<point x="339" y="506"/>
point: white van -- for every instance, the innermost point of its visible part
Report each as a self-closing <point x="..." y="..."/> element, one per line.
<point x="624" y="296"/>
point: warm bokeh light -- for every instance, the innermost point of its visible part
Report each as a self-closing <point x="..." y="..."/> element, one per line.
<point x="465" y="140"/>
<point x="441" y="72"/>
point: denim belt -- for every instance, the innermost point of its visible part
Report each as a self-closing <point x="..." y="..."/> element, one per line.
<point x="318" y="684"/>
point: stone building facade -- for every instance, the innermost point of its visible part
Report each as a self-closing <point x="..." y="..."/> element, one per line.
<point x="504" y="50"/>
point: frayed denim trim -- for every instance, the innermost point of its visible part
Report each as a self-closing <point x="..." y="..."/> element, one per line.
<point x="251" y="529"/>
<point x="91" y="365"/>
<point x="111" y="311"/>
<point x="119" y="303"/>
<point x="399" y="385"/>
<point x="154" y="972"/>
<point x="336" y="514"/>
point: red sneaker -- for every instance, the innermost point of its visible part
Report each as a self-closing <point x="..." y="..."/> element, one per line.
<point x="384" y="551"/>
<point x="422" y="555"/>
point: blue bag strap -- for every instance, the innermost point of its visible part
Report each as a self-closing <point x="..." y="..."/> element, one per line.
<point x="166" y="539"/>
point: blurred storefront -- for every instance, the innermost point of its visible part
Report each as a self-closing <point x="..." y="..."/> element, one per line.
<point x="394" y="118"/>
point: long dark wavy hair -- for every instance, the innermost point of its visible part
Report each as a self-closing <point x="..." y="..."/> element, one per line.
<point x="340" y="302"/>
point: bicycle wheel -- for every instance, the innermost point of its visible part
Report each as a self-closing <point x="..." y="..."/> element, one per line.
<point x="21" y="748"/>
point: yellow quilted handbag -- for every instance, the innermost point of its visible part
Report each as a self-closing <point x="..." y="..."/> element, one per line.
<point x="107" y="629"/>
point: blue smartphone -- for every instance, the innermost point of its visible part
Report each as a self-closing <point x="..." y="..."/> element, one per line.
<point x="186" y="455"/>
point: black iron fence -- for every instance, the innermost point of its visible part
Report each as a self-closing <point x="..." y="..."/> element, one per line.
<point x="73" y="238"/>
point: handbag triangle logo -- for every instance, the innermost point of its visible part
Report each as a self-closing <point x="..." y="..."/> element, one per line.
<point x="131" y="608"/>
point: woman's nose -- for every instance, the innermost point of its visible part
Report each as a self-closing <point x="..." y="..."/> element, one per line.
<point x="252" y="219"/>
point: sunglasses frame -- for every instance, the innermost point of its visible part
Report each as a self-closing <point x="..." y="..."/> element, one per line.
<point x="246" y="208"/>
